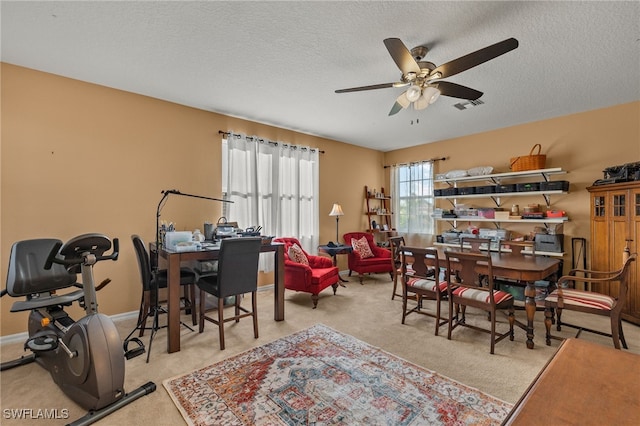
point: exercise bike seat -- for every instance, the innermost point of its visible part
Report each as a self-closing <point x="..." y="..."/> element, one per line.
<point x="28" y="277"/>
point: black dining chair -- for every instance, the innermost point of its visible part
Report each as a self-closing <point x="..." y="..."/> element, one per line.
<point x="237" y="274"/>
<point x="149" y="306"/>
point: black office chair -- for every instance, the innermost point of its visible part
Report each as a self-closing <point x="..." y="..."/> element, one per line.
<point x="237" y="274"/>
<point x="149" y="306"/>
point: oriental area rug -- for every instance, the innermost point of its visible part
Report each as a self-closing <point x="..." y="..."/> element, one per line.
<point x="320" y="376"/>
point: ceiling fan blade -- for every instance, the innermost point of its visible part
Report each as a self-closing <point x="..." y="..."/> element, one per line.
<point x="457" y="91"/>
<point x="395" y="109"/>
<point x="476" y="58"/>
<point x="401" y="102"/>
<point x="372" y="87"/>
<point x="401" y="55"/>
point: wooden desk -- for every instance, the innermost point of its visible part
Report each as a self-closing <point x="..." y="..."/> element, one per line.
<point x="527" y="269"/>
<point x="583" y="384"/>
<point x="173" y="285"/>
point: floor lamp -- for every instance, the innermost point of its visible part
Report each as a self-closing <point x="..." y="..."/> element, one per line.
<point x="337" y="212"/>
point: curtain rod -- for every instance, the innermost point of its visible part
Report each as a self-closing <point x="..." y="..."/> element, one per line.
<point x="431" y="160"/>
<point x="254" y="138"/>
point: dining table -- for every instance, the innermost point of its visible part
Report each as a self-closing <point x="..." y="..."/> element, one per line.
<point x="523" y="270"/>
<point x="175" y="258"/>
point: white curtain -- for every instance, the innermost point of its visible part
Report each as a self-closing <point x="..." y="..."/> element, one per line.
<point x="273" y="185"/>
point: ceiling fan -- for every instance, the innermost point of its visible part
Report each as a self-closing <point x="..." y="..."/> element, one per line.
<point x="424" y="78"/>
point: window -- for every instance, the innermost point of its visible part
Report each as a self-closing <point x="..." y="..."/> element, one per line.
<point x="273" y="185"/>
<point x="413" y="198"/>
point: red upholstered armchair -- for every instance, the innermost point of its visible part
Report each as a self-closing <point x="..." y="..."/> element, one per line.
<point x="379" y="262"/>
<point x="312" y="278"/>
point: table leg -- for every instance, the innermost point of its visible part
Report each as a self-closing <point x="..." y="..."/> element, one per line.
<point x="173" y="304"/>
<point x="335" y="263"/>
<point x="278" y="293"/>
<point x="530" y="308"/>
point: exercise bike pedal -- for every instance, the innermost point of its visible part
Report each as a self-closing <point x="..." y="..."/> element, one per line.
<point x="134" y="352"/>
<point x="42" y="342"/>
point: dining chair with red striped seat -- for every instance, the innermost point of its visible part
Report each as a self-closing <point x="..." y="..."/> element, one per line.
<point x="464" y="288"/>
<point x="420" y="275"/>
<point x="567" y="297"/>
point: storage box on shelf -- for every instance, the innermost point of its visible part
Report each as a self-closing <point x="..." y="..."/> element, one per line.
<point x="498" y="187"/>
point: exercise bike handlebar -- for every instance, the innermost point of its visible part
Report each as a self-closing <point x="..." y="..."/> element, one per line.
<point x="75" y="251"/>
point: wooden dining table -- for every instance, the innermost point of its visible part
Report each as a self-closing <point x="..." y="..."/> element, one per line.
<point x="522" y="269"/>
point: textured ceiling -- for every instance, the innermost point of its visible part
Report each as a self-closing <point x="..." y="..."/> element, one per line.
<point x="279" y="62"/>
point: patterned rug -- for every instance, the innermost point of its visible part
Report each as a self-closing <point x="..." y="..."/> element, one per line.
<point x="320" y="376"/>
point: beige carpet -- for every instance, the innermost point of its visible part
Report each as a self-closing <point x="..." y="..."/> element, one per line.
<point x="363" y="311"/>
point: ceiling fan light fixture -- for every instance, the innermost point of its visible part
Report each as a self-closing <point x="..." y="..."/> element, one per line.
<point x="413" y="93"/>
<point x="403" y="101"/>
<point x="430" y="94"/>
<point x="421" y="103"/>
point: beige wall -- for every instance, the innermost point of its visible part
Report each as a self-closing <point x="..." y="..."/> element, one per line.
<point x="77" y="157"/>
<point x="582" y="144"/>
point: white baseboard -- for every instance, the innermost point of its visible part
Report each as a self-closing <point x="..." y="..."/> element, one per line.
<point x="21" y="337"/>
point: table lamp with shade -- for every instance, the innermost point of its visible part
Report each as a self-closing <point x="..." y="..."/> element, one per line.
<point x="336" y="211"/>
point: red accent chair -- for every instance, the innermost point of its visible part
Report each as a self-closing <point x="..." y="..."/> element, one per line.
<point x="380" y="262"/>
<point x="318" y="275"/>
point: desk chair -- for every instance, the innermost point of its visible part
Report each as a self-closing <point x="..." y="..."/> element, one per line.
<point x="149" y="303"/>
<point x="237" y="274"/>
<point x="565" y="298"/>
<point x="464" y="289"/>
<point x="396" y="244"/>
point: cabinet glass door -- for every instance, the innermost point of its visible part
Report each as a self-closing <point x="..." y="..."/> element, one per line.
<point x="619" y="207"/>
<point x="598" y="206"/>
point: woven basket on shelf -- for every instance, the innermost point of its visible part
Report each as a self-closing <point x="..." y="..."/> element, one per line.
<point x="529" y="162"/>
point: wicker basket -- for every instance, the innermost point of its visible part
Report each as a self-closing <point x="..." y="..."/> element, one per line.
<point x="529" y="162"/>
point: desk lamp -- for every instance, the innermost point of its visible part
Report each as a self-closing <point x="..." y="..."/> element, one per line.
<point x="337" y="212"/>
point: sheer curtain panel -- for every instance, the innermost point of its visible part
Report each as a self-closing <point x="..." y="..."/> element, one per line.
<point x="274" y="185"/>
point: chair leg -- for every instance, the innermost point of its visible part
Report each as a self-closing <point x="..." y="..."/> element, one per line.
<point x="395" y="286"/>
<point x="237" y="306"/>
<point x="624" y="342"/>
<point x="335" y="288"/>
<point x="254" y="313"/>
<point x="450" y="318"/>
<point x="314" y="299"/>
<point x="361" y="276"/>
<point x="145" y="309"/>
<point x="616" y="326"/>
<point x="492" y="313"/>
<point x="512" y="321"/>
<point x="559" y="316"/>
<point x="548" y="318"/>
<point x="192" y="296"/>
<point x="437" y="313"/>
<point x="221" y="322"/>
<point x="404" y="304"/>
<point x="201" y="310"/>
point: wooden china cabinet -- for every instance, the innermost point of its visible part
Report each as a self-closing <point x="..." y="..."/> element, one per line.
<point x="615" y="222"/>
